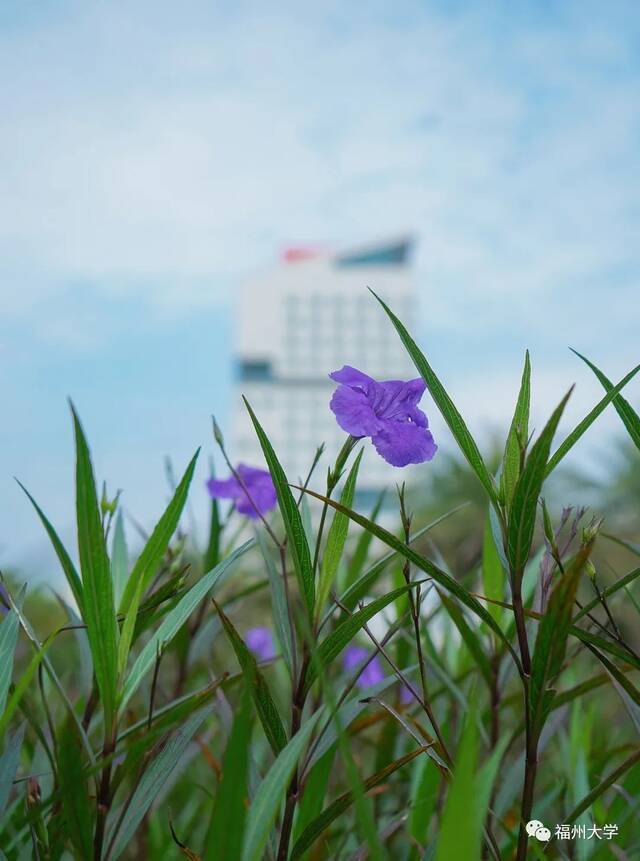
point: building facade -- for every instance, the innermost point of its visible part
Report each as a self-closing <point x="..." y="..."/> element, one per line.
<point x="302" y="320"/>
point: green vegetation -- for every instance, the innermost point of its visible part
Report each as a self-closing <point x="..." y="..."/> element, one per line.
<point x="439" y="679"/>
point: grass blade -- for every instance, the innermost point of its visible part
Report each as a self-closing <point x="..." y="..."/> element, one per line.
<point x="341" y="804"/>
<point x="424" y="564"/>
<point x="588" y="420"/>
<point x="149" y="560"/>
<point x="551" y="640"/>
<point x="226" y="828"/>
<point x="176" y="618"/>
<point x="256" y="683"/>
<point x="69" y="569"/>
<point x="291" y="516"/>
<point x="517" y="436"/>
<point x="331" y="647"/>
<point x="97" y="587"/>
<point x="119" y="560"/>
<point x="629" y="416"/>
<point x="337" y="538"/>
<point x="446" y="406"/>
<point x="76" y="805"/>
<point x="152" y="782"/>
<point x="9" y="762"/>
<point x="8" y="643"/>
<point x="522" y="516"/>
<point x="268" y="798"/>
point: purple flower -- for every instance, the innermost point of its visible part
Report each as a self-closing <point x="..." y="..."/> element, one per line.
<point x="354" y="656"/>
<point x="259" y="486"/>
<point x="260" y="641"/>
<point x="387" y="412"/>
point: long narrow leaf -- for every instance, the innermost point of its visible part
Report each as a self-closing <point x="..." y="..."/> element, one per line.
<point x="525" y="497"/>
<point x="629" y="416"/>
<point x="339" y="639"/>
<point x="518" y="432"/>
<point x="440" y="576"/>
<point x="69" y="569"/>
<point x="176" y="618"/>
<point x="291" y="517"/>
<point x="446" y="406"/>
<point x="337" y="537"/>
<point x="341" y="804"/>
<point x="268" y="798"/>
<point x="153" y="780"/>
<point x="97" y="586"/>
<point x="256" y="683"/>
<point x="149" y="560"/>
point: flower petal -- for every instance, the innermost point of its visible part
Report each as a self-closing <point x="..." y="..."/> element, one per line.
<point x="354" y="412"/>
<point x="352" y="377"/>
<point x="262" y="493"/>
<point x="402" y="443"/>
<point x="227" y="488"/>
<point x="395" y="399"/>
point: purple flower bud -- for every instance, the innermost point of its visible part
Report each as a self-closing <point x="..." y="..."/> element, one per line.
<point x="259" y="494"/>
<point x="385" y="411"/>
<point x="354" y="656"/>
<point x="260" y="641"/>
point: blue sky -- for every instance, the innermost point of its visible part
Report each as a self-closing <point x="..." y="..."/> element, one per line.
<point x="155" y="153"/>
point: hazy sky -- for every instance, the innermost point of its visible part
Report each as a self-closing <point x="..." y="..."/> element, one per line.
<point x="153" y="153"/>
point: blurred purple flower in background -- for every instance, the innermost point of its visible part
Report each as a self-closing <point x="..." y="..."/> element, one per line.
<point x="260" y="641"/>
<point x="4" y="600"/>
<point x="372" y="673"/>
<point x="385" y="411"/>
<point x="259" y="486"/>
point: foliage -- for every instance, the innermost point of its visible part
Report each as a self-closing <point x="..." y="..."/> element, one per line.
<point x="136" y="720"/>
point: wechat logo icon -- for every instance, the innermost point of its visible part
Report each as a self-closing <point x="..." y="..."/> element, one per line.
<point x="536" y="829"/>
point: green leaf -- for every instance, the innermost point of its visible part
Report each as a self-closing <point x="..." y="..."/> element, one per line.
<point x="9" y="762"/>
<point x="268" y="798"/>
<point x="331" y="647"/>
<point x="278" y="603"/>
<point x="606" y="593"/>
<point x="440" y="576"/>
<point x="518" y="432"/>
<point x="493" y="574"/>
<point x="361" y="550"/>
<point x="8" y="643"/>
<point x="291" y="517"/>
<point x="470" y="638"/>
<point x="341" y="804"/>
<point x="153" y="779"/>
<point x="446" y="406"/>
<point x="97" y="588"/>
<point x="629" y="416"/>
<point x="212" y="553"/>
<point x="72" y="782"/>
<point x="315" y="789"/>
<point x="23" y="683"/>
<point x="551" y="640"/>
<point x="149" y="560"/>
<point x="72" y="576"/>
<point x="602" y="787"/>
<point x="337" y="538"/>
<point x="588" y="420"/>
<point x="522" y="516"/>
<point x="176" y="618"/>
<point x="627" y="691"/>
<point x="460" y="834"/>
<point x="226" y="828"/>
<point x="119" y="560"/>
<point x="361" y="586"/>
<point x="262" y="699"/>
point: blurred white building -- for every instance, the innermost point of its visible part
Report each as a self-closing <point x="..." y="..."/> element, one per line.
<point x="306" y="317"/>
